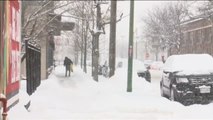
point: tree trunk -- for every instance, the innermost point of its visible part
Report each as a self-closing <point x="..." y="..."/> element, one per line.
<point x="85" y="55"/>
<point x="156" y="53"/>
<point x="96" y="59"/>
<point x="112" y="44"/>
<point x="96" y="43"/>
<point x="82" y="48"/>
<point x="93" y="40"/>
<point x="85" y="47"/>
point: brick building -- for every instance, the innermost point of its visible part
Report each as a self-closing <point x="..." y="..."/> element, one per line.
<point x="197" y="37"/>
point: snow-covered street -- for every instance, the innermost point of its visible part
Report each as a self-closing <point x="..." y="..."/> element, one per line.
<point x="80" y="97"/>
<point x="108" y="46"/>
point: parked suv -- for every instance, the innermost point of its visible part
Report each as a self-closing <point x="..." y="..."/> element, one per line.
<point x="145" y="74"/>
<point x="188" y="78"/>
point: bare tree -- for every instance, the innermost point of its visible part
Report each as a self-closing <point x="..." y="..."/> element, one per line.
<point x="82" y="12"/>
<point x="36" y="14"/>
<point x="87" y="13"/>
<point x="163" y="26"/>
<point x="101" y="21"/>
<point x="91" y="12"/>
<point x="35" y="18"/>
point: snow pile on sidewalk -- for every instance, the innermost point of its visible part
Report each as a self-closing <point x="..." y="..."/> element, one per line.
<point x="80" y="97"/>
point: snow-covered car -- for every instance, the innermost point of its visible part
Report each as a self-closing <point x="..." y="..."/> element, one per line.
<point x="188" y="78"/>
<point x="144" y="73"/>
<point x="147" y="63"/>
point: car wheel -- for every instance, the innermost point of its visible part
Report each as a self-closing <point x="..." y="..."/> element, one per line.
<point x="172" y="95"/>
<point x="161" y="90"/>
<point x="187" y="103"/>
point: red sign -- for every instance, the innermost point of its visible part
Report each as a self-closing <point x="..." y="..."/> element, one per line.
<point x="13" y="52"/>
<point x="147" y="55"/>
<point x="130" y="51"/>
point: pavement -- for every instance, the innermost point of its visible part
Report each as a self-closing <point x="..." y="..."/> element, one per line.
<point x="156" y="75"/>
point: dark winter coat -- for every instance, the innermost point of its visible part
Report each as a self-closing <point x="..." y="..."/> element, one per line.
<point x="67" y="63"/>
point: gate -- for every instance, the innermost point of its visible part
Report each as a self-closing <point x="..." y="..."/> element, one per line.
<point x="33" y="66"/>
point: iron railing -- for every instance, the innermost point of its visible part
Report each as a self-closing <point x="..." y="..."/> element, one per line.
<point x="33" y="67"/>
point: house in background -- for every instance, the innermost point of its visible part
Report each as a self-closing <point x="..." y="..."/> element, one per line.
<point x="144" y="50"/>
<point x="197" y="37"/>
<point x="47" y="25"/>
<point x="44" y="39"/>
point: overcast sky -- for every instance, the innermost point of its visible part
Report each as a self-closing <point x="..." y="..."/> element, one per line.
<point x="140" y="11"/>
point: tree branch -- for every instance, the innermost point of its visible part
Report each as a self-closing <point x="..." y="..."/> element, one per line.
<point x="36" y="12"/>
<point x="37" y="15"/>
<point x="47" y="24"/>
<point x="121" y="17"/>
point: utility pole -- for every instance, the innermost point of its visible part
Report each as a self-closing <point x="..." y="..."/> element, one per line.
<point x="136" y="55"/>
<point x="130" y="50"/>
<point x="112" y="44"/>
<point x="136" y="44"/>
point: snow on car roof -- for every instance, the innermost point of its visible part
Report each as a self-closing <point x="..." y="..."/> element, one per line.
<point x="189" y="63"/>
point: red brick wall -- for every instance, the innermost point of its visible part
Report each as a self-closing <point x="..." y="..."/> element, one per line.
<point x="196" y="38"/>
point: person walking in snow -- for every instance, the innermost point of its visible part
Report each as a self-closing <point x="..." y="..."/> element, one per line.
<point x="67" y="63"/>
<point x="148" y="75"/>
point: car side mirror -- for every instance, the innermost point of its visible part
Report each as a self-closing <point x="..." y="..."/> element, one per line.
<point x="148" y="67"/>
<point x="147" y="76"/>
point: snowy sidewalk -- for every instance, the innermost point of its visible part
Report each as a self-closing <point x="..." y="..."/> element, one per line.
<point x="79" y="97"/>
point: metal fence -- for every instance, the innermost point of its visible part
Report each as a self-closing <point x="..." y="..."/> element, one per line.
<point x="33" y="67"/>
